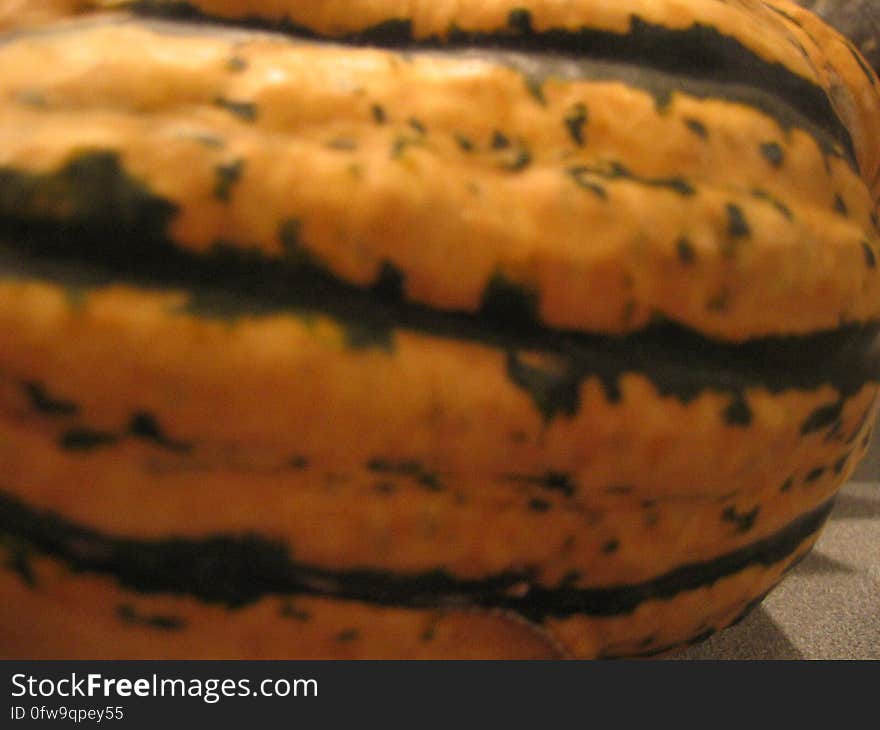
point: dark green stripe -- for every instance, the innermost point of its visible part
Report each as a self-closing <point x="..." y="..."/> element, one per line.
<point x="236" y="570"/>
<point x="96" y="204"/>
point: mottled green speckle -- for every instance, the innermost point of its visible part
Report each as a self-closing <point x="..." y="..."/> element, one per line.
<point x="781" y="207"/>
<point x="500" y="141"/>
<point x="519" y="158"/>
<point x="535" y="87"/>
<point x="417" y="125"/>
<point x="244" y="110"/>
<point x="742" y="521"/>
<point x="737" y="225"/>
<point x="348" y="635"/>
<point x="610" y="547"/>
<point x="403" y="142"/>
<point x="815" y="474"/>
<point x="685" y="251"/>
<point x="33" y="98"/>
<point x="870" y="256"/>
<point x="342" y="144"/>
<point x="575" y="121"/>
<point x="465" y="143"/>
<point x="42" y="401"/>
<point x="226" y="176"/>
<point x="822" y="417"/>
<point x="379" y="114"/>
<point x="585" y="178"/>
<point x="298" y="462"/>
<point x="539" y="505"/>
<point x="236" y="64"/>
<point x="773" y="153"/>
<point x="83" y="439"/>
<point x="144" y="426"/>
<point x="697" y="127"/>
<point x="407" y="468"/>
<point x="719" y="302"/>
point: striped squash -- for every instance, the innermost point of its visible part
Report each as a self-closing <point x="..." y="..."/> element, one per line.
<point x="425" y="329"/>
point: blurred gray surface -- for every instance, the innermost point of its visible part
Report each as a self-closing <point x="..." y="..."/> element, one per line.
<point x="828" y="607"/>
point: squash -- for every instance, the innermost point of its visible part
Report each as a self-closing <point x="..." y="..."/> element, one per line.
<point x="21" y="14"/>
<point x="415" y="330"/>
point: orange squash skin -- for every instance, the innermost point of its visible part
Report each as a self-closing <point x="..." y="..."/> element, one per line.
<point x="318" y="341"/>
